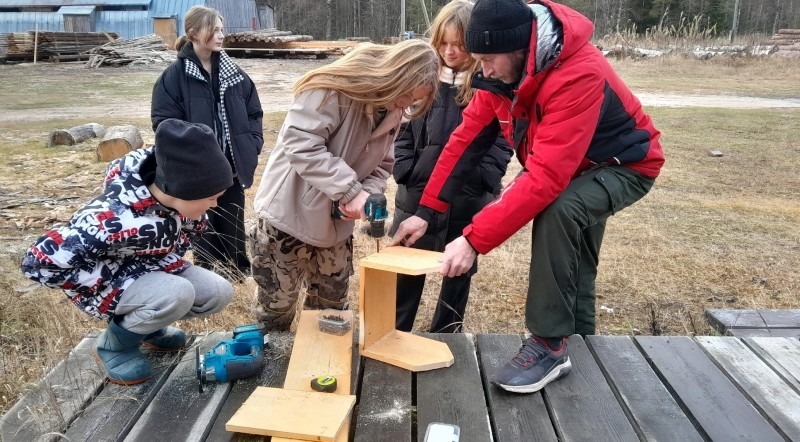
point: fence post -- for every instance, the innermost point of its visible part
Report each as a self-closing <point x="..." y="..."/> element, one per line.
<point x="35" y="42"/>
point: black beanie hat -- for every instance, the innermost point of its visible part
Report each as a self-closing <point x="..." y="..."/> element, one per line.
<point x="498" y="26"/>
<point x="189" y="163"/>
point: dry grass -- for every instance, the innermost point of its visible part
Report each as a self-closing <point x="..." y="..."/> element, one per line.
<point x="714" y="232"/>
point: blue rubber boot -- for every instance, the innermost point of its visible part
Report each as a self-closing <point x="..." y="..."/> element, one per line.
<point x="118" y="352"/>
<point x="166" y="339"/>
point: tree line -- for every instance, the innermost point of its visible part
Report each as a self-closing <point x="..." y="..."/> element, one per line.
<point x="378" y="19"/>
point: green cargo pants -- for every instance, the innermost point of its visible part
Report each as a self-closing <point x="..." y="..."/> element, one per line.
<point x="567" y="236"/>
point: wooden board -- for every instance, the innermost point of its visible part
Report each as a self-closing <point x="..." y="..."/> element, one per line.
<point x="713" y="400"/>
<point x="384" y="405"/>
<point x="274" y="374"/>
<point x="113" y="413"/>
<point x="314" y="354"/>
<point x="656" y="414"/>
<point x="55" y="401"/>
<point x="724" y="319"/>
<point x="455" y="395"/>
<point x="782" y="354"/>
<point x="179" y="408"/>
<point x="412" y="352"/>
<point x="766" y="332"/>
<point x="764" y="387"/>
<point x="583" y="405"/>
<point x="377" y="303"/>
<point x="404" y="260"/>
<point x="514" y="417"/>
<point x="304" y="415"/>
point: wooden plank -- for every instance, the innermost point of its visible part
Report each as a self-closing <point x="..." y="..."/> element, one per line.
<point x="724" y="319"/>
<point x="765" y="332"/>
<point x="58" y="398"/>
<point x="178" y="408"/>
<point x="648" y="402"/>
<point x="583" y="405"/>
<point x="113" y="413"/>
<point x="404" y="260"/>
<point x="454" y="395"/>
<point x="782" y="354"/>
<point x="412" y="352"/>
<point x="377" y="305"/>
<point x="761" y="384"/>
<point x="514" y="417"/>
<point x="314" y="354"/>
<point x="305" y="415"/>
<point x="273" y="375"/>
<point x="384" y="405"/>
<point x="713" y="401"/>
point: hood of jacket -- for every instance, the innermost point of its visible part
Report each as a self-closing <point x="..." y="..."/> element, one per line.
<point x="557" y="33"/>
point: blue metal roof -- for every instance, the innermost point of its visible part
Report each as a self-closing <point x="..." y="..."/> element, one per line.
<point x="76" y="10"/>
<point x="176" y="8"/>
<point x="34" y="3"/>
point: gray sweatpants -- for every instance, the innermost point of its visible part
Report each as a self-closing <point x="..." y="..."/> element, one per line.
<point x="158" y="299"/>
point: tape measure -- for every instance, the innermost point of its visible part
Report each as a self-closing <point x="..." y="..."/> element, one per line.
<point x="325" y="384"/>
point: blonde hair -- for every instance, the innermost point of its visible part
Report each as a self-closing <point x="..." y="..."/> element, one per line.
<point x="379" y="75"/>
<point x="199" y="20"/>
<point x="455" y="15"/>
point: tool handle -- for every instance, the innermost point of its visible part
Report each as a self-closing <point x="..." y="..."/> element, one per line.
<point x="242" y="369"/>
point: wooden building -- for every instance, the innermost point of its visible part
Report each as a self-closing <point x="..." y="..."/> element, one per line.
<point x="127" y="18"/>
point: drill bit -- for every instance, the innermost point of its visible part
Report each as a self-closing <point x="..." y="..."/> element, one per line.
<point x="377" y="244"/>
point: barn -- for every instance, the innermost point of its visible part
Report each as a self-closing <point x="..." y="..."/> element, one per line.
<point x="127" y="18"/>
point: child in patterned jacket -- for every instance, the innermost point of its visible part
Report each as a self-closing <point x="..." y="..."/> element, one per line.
<point x="120" y="257"/>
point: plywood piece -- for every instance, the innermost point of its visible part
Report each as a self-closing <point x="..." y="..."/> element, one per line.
<point x="411" y="352"/>
<point x="304" y="415"/>
<point x="377" y="304"/>
<point x="404" y="260"/>
<point x="316" y="353"/>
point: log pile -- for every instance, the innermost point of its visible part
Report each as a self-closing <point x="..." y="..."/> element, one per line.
<point x="263" y="36"/>
<point x="143" y="50"/>
<point x="273" y="42"/>
<point x="788" y="42"/>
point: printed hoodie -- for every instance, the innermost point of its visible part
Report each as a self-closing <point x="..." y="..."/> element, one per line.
<point x="570" y="112"/>
<point x="114" y="239"/>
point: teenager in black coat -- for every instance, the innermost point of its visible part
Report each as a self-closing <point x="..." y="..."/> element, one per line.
<point x="417" y="149"/>
<point x="205" y="86"/>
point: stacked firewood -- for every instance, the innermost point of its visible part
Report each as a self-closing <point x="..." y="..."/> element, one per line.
<point x="264" y="36"/>
<point x="143" y="50"/>
<point x="20" y="45"/>
<point x="788" y="42"/>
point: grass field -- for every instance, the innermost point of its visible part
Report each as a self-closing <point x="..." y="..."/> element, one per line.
<point x="716" y="232"/>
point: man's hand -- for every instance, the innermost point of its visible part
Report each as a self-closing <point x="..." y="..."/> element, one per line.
<point x="409" y="231"/>
<point x="458" y="258"/>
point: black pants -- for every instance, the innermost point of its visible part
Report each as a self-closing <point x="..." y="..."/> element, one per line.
<point x="449" y="314"/>
<point x="567" y="236"/>
<point x="223" y="244"/>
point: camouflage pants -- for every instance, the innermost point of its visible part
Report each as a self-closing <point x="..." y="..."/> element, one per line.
<point x="282" y="265"/>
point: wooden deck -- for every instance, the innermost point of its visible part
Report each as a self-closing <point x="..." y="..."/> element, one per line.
<point x="748" y="323"/>
<point x="621" y="388"/>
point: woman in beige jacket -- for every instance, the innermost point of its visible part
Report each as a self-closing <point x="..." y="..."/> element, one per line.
<point x="335" y="149"/>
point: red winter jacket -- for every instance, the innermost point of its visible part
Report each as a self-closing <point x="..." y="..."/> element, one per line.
<point x="571" y="111"/>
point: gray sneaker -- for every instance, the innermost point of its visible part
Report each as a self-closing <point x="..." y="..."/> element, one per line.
<point x="534" y="366"/>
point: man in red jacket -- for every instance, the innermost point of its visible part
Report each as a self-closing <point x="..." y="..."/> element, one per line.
<point x="587" y="148"/>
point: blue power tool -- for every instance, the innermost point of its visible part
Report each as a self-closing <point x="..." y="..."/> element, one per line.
<point x="238" y="358"/>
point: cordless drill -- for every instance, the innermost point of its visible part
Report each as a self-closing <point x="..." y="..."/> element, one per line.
<point x="231" y="359"/>
<point x="376" y="211"/>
